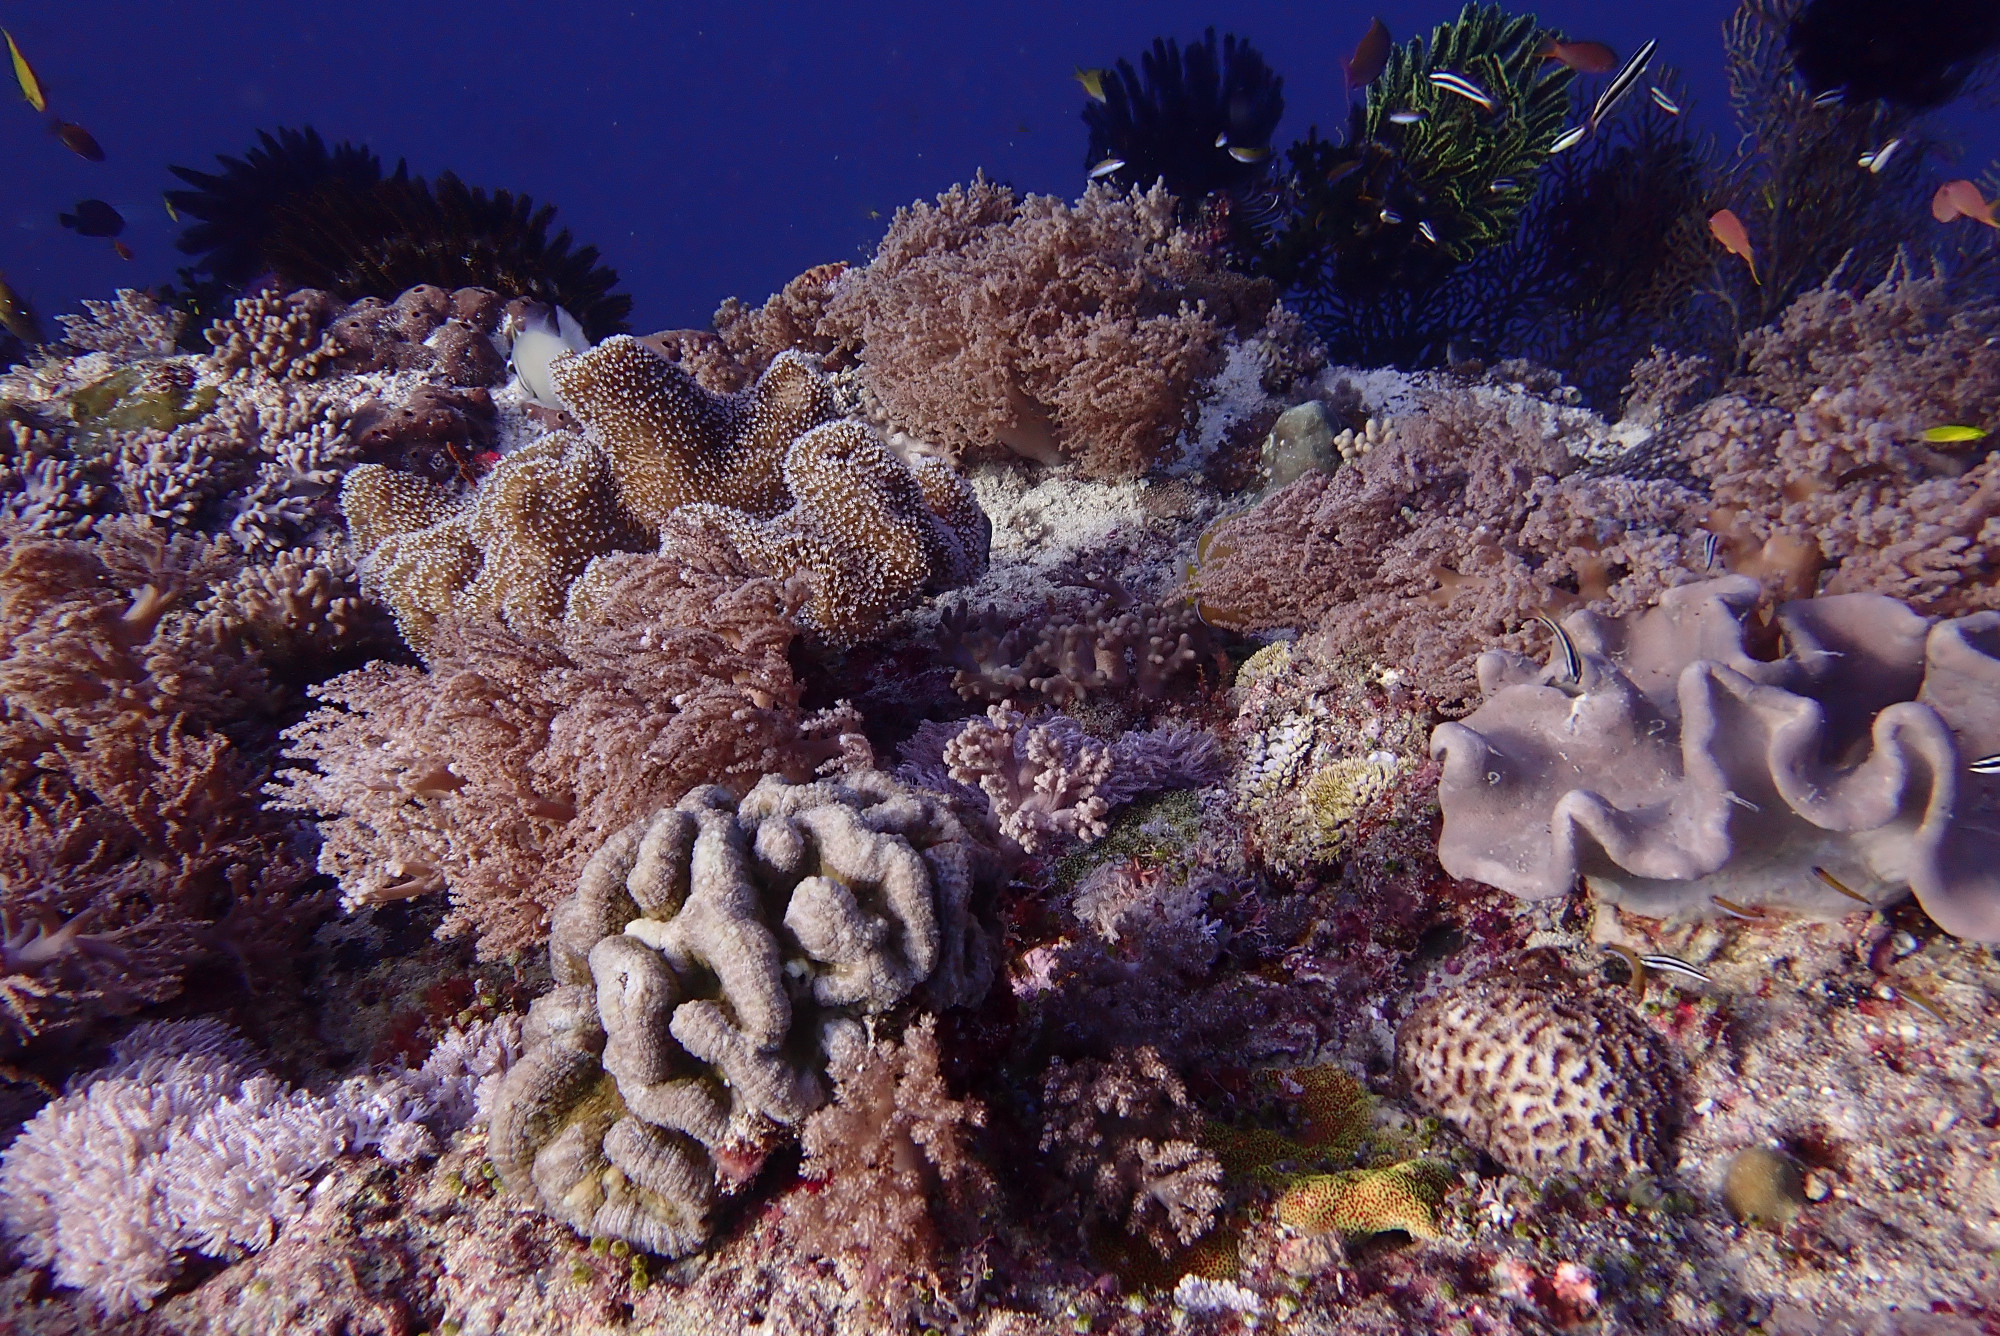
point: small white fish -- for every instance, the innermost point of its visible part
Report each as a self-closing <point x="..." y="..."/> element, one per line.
<point x="1986" y="765"/>
<point x="1674" y="965"/>
<point x="1222" y="139"/>
<point x="1663" y="101"/>
<point x="1242" y="154"/>
<point x="1464" y="87"/>
<point x="1879" y="159"/>
<point x="1621" y="82"/>
<point x="1570" y="138"/>
<point x="1105" y="168"/>
<point x="1407" y="116"/>
<point x="1391" y="217"/>
<point x="1832" y="97"/>
<point x="1424" y="231"/>
<point x="1503" y="184"/>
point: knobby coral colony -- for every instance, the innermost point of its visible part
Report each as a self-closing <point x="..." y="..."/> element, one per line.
<point x="569" y="693"/>
<point x="327" y="218"/>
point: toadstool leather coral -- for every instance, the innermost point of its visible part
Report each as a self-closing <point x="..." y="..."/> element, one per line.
<point x="1683" y="766"/>
<point x="760" y="478"/>
<point x="712" y="960"/>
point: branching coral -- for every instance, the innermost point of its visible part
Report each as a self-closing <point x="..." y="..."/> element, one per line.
<point x="134" y="325"/>
<point x="1045" y="780"/>
<point x="1681" y="766"/>
<point x="889" y="1170"/>
<point x="711" y="963"/>
<point x="495" y="770"/>
<point x="181" y="1144"/>
<point x="130" y="848"/>
<point x="1545" y="1077"/>
<point x="1124" y="1125"/>
<point x="991" y="324"/>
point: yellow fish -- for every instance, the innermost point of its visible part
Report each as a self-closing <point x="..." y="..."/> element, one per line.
<point x="1092" y="81"/>
<point x="17" y="317"/>
<point x="31" y="87"/>
<point x="168" y="200"/>
<point x="1954" y="435"/>
<point x="1735" y="239"/>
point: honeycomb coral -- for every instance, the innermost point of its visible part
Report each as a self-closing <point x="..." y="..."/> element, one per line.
<point x="1682" y="765"/>
<point x="712" y="961"/>
<point x="1543" y="1077"/>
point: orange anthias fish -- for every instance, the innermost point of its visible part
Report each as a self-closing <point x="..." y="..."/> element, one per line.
<point x="1735" y="239"/>
<point x="1370" y="57"/>
<point x="1961" y="199"/>
<point x="1583" y="57"/>
<point x="24" y="74"/>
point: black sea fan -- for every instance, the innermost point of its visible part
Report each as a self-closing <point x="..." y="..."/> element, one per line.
<point x="235" y="207"/>
<point x="402" y="231"/>
<point x="1916" y="53"/>
<point x="1192" y="119"/>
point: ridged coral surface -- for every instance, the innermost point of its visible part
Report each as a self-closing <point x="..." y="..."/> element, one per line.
<point x="1546" y="1079"/>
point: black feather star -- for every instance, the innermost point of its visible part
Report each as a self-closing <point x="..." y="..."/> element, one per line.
<point x="329" y="219"/>
<point x="1916" y="53"/>
<point x="1190" y="119"/>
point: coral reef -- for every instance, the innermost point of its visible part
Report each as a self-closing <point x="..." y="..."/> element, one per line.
<point x="683" y="1021"/>
<point x="1543" y="1076"/>
<point x="1179" y="123"/>
<point x="1124" y="1126"/>
<point x="990" y="324"/>
<point x="182" y="1144"/>
<point x="1681" y="766"/>
<point x="1403" y="1197"/>
<point x="329" y="219"/>
<point x="760" y="480"/>
<point x="495" y="770"/>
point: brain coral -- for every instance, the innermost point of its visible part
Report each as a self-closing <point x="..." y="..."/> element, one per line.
<point x="764" y="478"/>
<point x="1544" y="1077"/>
<point x="993" y="323"/>
<point x="713" y="959"/>
<point x="1683" y="765"/>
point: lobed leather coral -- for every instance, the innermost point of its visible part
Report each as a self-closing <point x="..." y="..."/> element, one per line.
<point x="713" y="959"/>
<point x="1543" y="1076"/>
<point x="1687" y="762"/>
<point x="996" y="324"/>
<point x="760" y="478"/>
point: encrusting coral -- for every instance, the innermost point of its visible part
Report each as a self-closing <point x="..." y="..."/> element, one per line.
<point x="1682" y="766"/>
<point x="1404" y="1197"/>
<point x="713" y="960"/>
<point x="1545" y="1076"/>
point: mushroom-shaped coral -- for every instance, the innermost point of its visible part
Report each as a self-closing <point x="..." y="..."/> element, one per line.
<point x="1543" y="1076"/>
<point x="1678" y="765"/>
<point x="713" y="959"/>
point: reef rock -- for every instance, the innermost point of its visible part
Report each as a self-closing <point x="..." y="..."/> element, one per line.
<point x="1683" y="766"/>
<point x="714" y="958"/>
